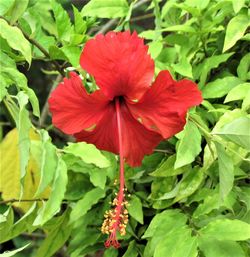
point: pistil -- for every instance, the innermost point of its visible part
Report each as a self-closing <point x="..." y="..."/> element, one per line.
<point x="116" y="219"/>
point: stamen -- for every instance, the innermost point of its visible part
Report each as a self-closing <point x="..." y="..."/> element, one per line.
<point x="116" y="219"/>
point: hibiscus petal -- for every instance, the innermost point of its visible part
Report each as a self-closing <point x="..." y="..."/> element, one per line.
<point x="164" y="106"/>
<point x="73" y="109"/>
<point x="119" y="63"/>
<point x="137" y="140"/>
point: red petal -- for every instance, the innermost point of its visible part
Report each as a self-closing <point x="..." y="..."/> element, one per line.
<point x="164" y="106"/>
<point x="137" y="140"/>
<point x="72" y="108"/>
<point x="119" y="63"/>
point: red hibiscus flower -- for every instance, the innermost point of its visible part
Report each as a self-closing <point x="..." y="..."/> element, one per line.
<point x="128" y="115"/>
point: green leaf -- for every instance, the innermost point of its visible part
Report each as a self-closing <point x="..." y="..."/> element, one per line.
<point x="237" y="5"/>
<point x="12" y="253"/>
<point x="238" y="93"/>
<point x="88" y="153"/>
<point x="179" y="243"/>
<point x="235" y="30"/>
<point x="237" y="131"/>
<point x="80" y="25"/>
<point x="106" y="9"/>
<point x="52" y="206"/>
<point x="56" y="237"/>
<point x="183" y="67"/>
<point x="212" y="247"/>
<point x="98" y="177"/>
<point x="135" y="208"/>
<point x="189" y="183"/>
<point x="189" y="146"/>
<point x="6" y="224"/>
<point x="166" y="168"/>
<point x="243" y="70"/>
<point x="83" y="205"/>
<point x="131" y="251"/>
<point x="226" y="171"/>
<point x="5" y="6"/>
<point x="17" y="10"/>
<point x="73" y="54"/>
<point x="63" y="23"/>
<point x="14" y="35"/>
<point x="167" y="221"/>
<point x="226" y="229"/>
<point x="23" y="124"/>
<point x="22" y="225"/>
<point x="44" y="152"/>
<point x="21" y="82"/>
<point x="220" y="87"/>
<point x="209" y="64"/>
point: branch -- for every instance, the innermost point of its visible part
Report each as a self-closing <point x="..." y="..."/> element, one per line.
<point x="36" y="44"/>
<point x="110" y="23"/>
<point x="45" y="109"/>
<point x="23" y="200"/>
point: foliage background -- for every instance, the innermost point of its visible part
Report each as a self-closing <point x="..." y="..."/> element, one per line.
<point x="190" y="198"/>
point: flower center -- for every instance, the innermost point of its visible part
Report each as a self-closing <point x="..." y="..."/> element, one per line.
<point x="116" y="219"/>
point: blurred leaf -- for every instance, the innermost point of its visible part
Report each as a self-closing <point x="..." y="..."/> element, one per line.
<point x="13" y="252"/>
<point x="23" y="125"/>
<point x="58" y="189"/>
<point x="226" y="171"/>
<point x="237" y="5"/>
<point x="14" y="35"/>
<point x="237" y="131"/>
<point x="44" y="152"/>
<point x="56" y="237"/>
<point x="226" y="229"/>
<point x="107" y="9"/>
<point x="190" y="145"/>
<point x="5" y="6"/>
<point x="10" y="172"/>
<point x="210" y="63"/>
<point x="21" y="82"/>
<point x="22" y="225"/>
<point x="212" y="247"/>
<point x="243" y="70"/>
<point x="189" y="183"/>
<point x="63" y="23"/>
<point x="83" y="205"/>
<point x="131" y="251"/>
<point x="178" y="243"/>
<point x="166" y="168"/>
<point x="235" y="30"/>
<point x="135" y="208"/>
<point x="167" y="220"/>
<point x="183" y="67"/>
<point x="88" y="153"/>
<point x="80" y="25"/>
<point x="220" y="87"/>
<point x="238" y="93"/>
<point x="6" y="222"/>
<point x="17" y="10"/>
<point x="73" y="54"/>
